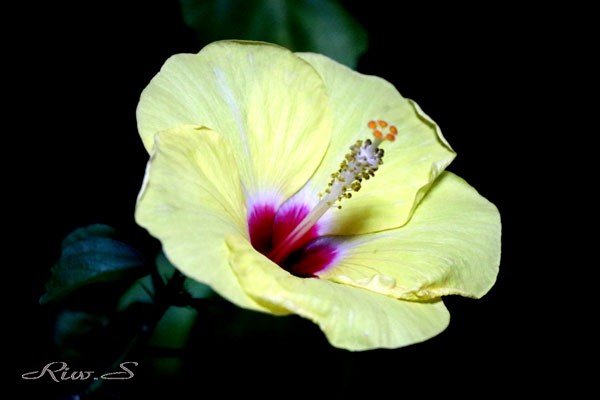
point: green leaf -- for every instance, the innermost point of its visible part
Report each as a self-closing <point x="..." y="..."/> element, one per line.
<point x="172" y="332"/>
<point x="320" y="26"/>
<point x="142" y="291"/>
<point x="90" y="255"/>
<point x="194" y="288"/>
<point x="174" y="327"/>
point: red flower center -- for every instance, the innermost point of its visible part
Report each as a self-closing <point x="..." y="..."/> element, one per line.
<point x="307" y="255"/>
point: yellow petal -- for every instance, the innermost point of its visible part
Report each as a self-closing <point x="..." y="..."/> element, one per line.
<point x="269" y="105"/>
<point x="351" y="318"/>
<point x="191" y="199"/>
<point x="411" y="163"/>
<point x="451" y="245"/>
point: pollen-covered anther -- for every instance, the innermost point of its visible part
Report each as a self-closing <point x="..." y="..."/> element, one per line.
<point x="359" y="164"/>
<point x="378" y="128"/>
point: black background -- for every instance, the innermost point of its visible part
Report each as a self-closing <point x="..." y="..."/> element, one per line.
<point x="78" y="73"/>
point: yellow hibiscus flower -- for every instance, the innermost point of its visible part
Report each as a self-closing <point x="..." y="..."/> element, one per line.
<point x="255" y="152"/>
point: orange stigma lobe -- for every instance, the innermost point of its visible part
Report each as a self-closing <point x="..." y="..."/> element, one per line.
<point x="378" y="130"/>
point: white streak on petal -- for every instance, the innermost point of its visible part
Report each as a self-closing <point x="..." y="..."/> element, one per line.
<point x="232" y="103"/>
